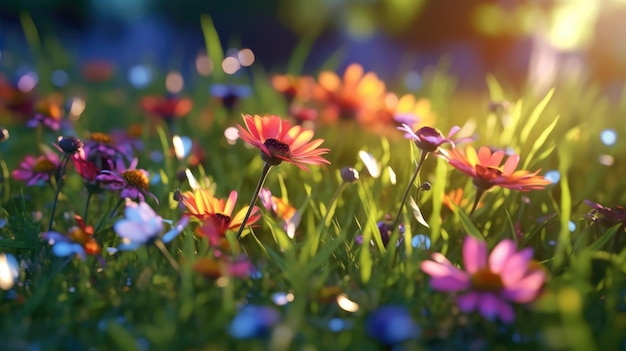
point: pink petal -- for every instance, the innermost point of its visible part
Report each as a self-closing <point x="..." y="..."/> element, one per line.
<point x="474" y="254"/>
<point x="450" y="283"/>
<point x="505" y="312"/>
<point x="500" y="254"/>
<point x="516" y="266"/>
<point x="526" y="289"/>
<point x="489" y="306"/>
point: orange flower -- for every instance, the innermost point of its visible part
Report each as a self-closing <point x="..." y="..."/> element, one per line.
<point x="485" y="169"/>
<point x="358" y="95"/>
<point x="279" y="141"/>
<point x="293" y="87"/>
<point x="166" y="107"/>
<point x="216" y="214"/>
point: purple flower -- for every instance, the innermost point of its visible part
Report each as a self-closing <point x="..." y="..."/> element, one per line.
<point x="385" y="231"/>
<point x="142" y="225"/>
<point x="392" y="325"/>
<point x="490" y="282"/>
<point x="430" y="139"/>
<point x="612" y="215"/>
<point x="130" y="182"/>
<point x="37" y="170"/>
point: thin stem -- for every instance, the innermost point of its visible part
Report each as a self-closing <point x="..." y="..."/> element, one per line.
<point x="102" y="220"/>
<point x="396" y="221"/>
<point x="264" y="173"/>
<point x="56" y="195"/>
<point x="332" y="202"/>
<point x="117" y="206"/>
<point x="479" y="195"/>
<point x="87" y="206"/>
<point x="159" y="244"/>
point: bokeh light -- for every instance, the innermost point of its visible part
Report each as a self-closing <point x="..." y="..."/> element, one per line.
<point x="204" y="66"/>
<point x="246" y="57"/>
<point x="608" y="137"/>
<point x="174" y="82"/>
<point x="553" y="176"/>
<point x="230" y="65"/>
<point x="59" y="77"/>
<point x="27" y="82"/>
<point x="139" y="76"/>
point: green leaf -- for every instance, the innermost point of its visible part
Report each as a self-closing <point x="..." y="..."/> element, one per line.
<point x="534" y="116"/>
<point x="417" y="213"/>
<point x="467" y="223"/>
<point x="496" y="93"/>
<point x="213" y="46"/>
<point x="121" y="337"/>
<point x="539" y="142"/>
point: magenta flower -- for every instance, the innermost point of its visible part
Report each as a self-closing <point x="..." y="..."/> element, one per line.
<point x="430" y="139"/>
<point x="130" y="182"/>
<point x="490" y="282"/>
<point x="36" y="170"/>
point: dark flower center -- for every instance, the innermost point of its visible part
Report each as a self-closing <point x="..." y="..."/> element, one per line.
<point x="136" y="178"/>
<point x="44" y="166"/>
<point x="429" y="139"/>
<point x="70" y="144"/>
<point x="487" y="281"/>
<point x="221" y="220"/>
<point x="278" y="151"/>
<point x="101" y="138"/>
<point x="486" y="175"/>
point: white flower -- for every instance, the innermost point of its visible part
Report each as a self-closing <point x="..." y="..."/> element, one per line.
<point x="9" y="271"/>
<point x="142" y="225"/>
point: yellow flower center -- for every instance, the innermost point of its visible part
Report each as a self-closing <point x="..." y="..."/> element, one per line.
<point x="101" y="138"/>
<point x="79" y="236"/>
<point x="486" y="280"/>
<point x="44" y="165"/>
<point x="136" y="178"/>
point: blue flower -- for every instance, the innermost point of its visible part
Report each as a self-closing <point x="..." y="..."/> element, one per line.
<point x="392" y="325"/>
<point x="253" y="322"/>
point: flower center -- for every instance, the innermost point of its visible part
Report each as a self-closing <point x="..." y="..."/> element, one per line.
<point x="486" y="280"/>
<point x="278" y="151"/>
<point x="221" y="220"/>
<point x="101" y="138"/>
<point x="136" y="178"/>
<point x="486" y="175"/>
<point x="44" y="165"/>
<point x="78" y="235"/>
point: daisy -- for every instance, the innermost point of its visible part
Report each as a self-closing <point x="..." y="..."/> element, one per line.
<point x="78" y="241"/>
<point x="37" y="170"/>
<point x="429" y="139"/>
<point x="216" y="214"/>
<point x="130" y="182"/>
<point x="141" y="225"/>
<point x="279" y="141"/>
<point x="490" y="282"/>
<point x="486" y="171"/>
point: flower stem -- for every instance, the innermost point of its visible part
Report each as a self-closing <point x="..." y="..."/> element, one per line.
<point x="102" y="220"/>
<point x="264" y="173"/>
<point x="56" y="195"/>
<point x="479" y="195"/>
<point x="86" y="206"/>
<point x="159" y="244"/>
<point x="332" y="203"/>
<point x="396" y="221"/>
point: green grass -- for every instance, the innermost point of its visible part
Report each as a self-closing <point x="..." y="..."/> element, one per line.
<point x="137" y="301"/>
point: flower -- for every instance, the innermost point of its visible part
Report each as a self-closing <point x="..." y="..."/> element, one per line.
<point x="240" y="267"/>
<point x="101" y="150"/>
<point x="490" y="282"/>
<point x="48" y="112"/>
<point x="357" y="95"/>
<point x="167" y="108"/>
<point x="70" y="144"/>
<point x="293" y="87"/>
<point x="409" y="110"/>
<point x="391" y="325"/>
<point x="279" y="141"/>
<point x="385" y="230"/>
<point x="141" y="225"/>
<point x="485" y="169"/>
<point x="9" y="271"/>
<point x="253" y="322"/>
<point x="429" y="139"/>
<point x="216" y="214"/>
<point x="130" y="182"/>
<point x="97" y="70"/>
<point x="349" y="174"/>
<point x="36" y="170"/>
<point x="282" y="209"/>
<point x="229" y="94"/>
<point x="15" y="100"/>
<point x="78" y="241"/>
<point x="611" y="215"/>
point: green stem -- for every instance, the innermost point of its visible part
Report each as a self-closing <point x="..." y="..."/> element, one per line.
<point x="479" y="195"/>
<point x="396" y="221"/>
<point x="159" y="244"/>
<point x="87" y="206"/>
<point x="264" y="173"/>
<point x="332" y="203"/>
<point x="56" y="195"/>
<point x="102" y="220"/>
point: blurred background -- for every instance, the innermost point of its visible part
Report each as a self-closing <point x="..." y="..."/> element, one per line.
<point x="520" y="41"/>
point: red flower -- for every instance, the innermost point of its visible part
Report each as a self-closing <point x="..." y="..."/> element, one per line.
<point x="166" y="107"/>
<point x="279" y="141"/>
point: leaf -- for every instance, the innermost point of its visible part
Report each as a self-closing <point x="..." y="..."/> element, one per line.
<point x="467" y="223"/>
<point x="213" y="46"/>
<point x="534" y="116"/>
<point x="121" y="337"/>
<point x="602" y="240"/>
<point x="539" y="142"/>
<point x="417" y="213"/>
<point x="496" y="93"/>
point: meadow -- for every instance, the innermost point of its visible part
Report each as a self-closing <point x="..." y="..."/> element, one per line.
<point x="125" y="222"/>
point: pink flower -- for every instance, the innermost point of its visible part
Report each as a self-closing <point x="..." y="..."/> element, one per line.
<point x="430" y="139"/>
<point x="490" y="282"/>
<point x="130" y="182"/>
<point x="35" y="170"/>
